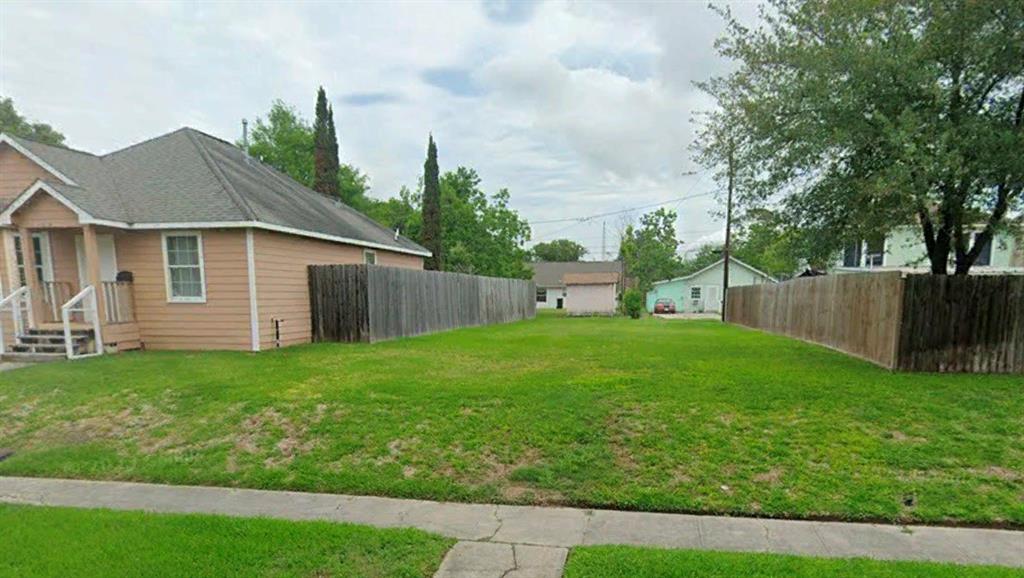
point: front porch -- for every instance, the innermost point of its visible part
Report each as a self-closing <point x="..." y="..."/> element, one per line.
<point x="68" y="296"/>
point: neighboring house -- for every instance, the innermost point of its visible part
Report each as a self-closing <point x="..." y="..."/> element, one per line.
<point x="187" y="242"/>
<point x="701" y="292"/>
<point x="591" y="293"/>
<point x="549" y="278"/>
<point x="904" y="249"/>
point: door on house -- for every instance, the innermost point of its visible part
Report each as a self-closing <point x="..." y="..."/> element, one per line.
<point x="713" y="299"/>
<point x="43" y="256"/>
<point x="108" y="259"/>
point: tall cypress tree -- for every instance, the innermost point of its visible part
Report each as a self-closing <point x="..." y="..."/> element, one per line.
<point x="332" y="138"/>
<point x="431" y="232"/>
<point x="325" y="148"/>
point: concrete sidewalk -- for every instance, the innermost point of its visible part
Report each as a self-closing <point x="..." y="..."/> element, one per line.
<point x="533" y="541"/>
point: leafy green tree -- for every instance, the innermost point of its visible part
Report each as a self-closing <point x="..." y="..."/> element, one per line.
<point x="483" y="235"/>
<point x="14" y="124"/>
<point x="866" y="116"/>
<point x="633" y="303"/>
<point x="353" y="185"/>
<point x="649" y="250"/>
<point x="285" y="141"/>
<point x="766" y="242"/>
<point x="432" y="234"/>
<point x="558" y="250"/>
<point x="325" y="148"/>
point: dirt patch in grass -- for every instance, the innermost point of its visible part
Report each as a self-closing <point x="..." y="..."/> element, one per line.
<point x="258" y="430"/>
<point x="770" y="477"/>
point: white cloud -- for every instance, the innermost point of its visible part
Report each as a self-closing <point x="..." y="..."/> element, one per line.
<point x="577" y="108"/>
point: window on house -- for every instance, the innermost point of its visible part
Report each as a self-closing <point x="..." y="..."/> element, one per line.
<point x="37" y="247"/>
<point x="851" y="255"/>
<point x="875" y="251"/>
<point x="542" y="295"/>
<point x="183" y="255"/>
<point x="694" y="292"/>
<point x="985" y="257"/>
<point x="370" y="257"/>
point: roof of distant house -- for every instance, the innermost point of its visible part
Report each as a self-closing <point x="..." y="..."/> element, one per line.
<point x="190" y="178"/>
<point x="551" y="273"/>
<point x="590" y="278"/>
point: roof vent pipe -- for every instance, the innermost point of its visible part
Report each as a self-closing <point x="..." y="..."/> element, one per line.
<point x="398" y="232"/>
<point x="245" y="139"/>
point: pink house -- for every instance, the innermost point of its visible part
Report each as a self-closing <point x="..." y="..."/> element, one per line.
<point x="179" y="242"/>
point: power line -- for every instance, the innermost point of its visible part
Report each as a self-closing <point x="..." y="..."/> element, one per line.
<point x="620" y="211"/>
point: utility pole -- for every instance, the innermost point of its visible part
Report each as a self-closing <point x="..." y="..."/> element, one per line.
<point x="728" y="232"/>
<point x="604" y="233"/>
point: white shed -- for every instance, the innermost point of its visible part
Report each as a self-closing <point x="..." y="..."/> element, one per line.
<point x="591" y="293"/>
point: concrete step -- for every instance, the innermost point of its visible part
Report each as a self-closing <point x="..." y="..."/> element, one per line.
<point x="32" y="357"/>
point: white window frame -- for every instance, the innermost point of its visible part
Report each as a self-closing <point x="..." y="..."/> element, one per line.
<point x="700" y="292"/>
<point x="167" y="269"/>
<point x="367" y="255"/>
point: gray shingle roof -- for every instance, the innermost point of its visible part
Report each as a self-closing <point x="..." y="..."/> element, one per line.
<point x="549" y="274"/>
<point x="188" y="176"/>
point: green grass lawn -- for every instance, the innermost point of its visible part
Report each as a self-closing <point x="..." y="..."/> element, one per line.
<point x="64" y="542"/>
<point x="628" y="562"/>
<point x="648" y="414"/>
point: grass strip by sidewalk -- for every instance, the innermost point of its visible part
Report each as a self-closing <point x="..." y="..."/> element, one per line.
<point x="631" y="562"/>
<point x="66" y="542"/>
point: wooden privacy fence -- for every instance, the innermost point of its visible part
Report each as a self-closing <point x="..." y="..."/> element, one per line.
<point x="373" y="303"/>
<point x="913" y="323"/>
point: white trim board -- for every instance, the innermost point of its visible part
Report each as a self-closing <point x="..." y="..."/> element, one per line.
<point x="254" y="311"/>
<point x="86" y="219"/>
<point x="712" y="266"/>
<point x="5" y="139"/>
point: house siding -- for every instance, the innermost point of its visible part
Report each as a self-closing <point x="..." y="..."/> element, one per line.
<point x="679" y="289"/>
<point x="222" y="322"/>
<point x="591" y="299"/>
<point x="17" y="172"/>
<point x="44" y="212"/>
<point x="282" y="286"/>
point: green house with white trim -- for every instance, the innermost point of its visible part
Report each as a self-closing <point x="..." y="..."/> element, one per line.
<point x="701" y="292"/>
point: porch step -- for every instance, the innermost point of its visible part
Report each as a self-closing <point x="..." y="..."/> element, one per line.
<point x="48" y="339"/>
<point x="47" y="344"/>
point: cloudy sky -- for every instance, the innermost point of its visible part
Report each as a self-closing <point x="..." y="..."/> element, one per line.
<point x="578" y="108"/>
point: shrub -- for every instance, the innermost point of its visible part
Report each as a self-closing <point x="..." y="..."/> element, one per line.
<point x="633" y="303"/>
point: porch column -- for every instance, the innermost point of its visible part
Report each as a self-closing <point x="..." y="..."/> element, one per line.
<point x="92" y="269"/>
<point x="35" y="289"/>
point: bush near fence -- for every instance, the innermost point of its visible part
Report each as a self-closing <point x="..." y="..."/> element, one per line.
<point x="373" y="303"/>
<point x="912" y="323"/>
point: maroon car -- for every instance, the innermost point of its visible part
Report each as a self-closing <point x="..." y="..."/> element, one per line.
<point x="664" y="305"/>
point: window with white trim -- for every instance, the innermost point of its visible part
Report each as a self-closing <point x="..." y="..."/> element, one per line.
<point x="369" y="257"/>
<point x="183" y="258"/>
<point x="694" y="292"/>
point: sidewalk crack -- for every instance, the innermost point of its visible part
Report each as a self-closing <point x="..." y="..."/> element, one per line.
<point x="515" y="563"/>
<point x="500" y="522"/>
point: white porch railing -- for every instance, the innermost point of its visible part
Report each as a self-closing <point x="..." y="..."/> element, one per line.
<point x="16" y="301"/>
<point x="84" y="303"/>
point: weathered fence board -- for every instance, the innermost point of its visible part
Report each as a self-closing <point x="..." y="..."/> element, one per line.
<point x="963" y="324"/>
<point x="374" y="303"/>
<point x="913" y="323"/>
<point x="859" y="314"/>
